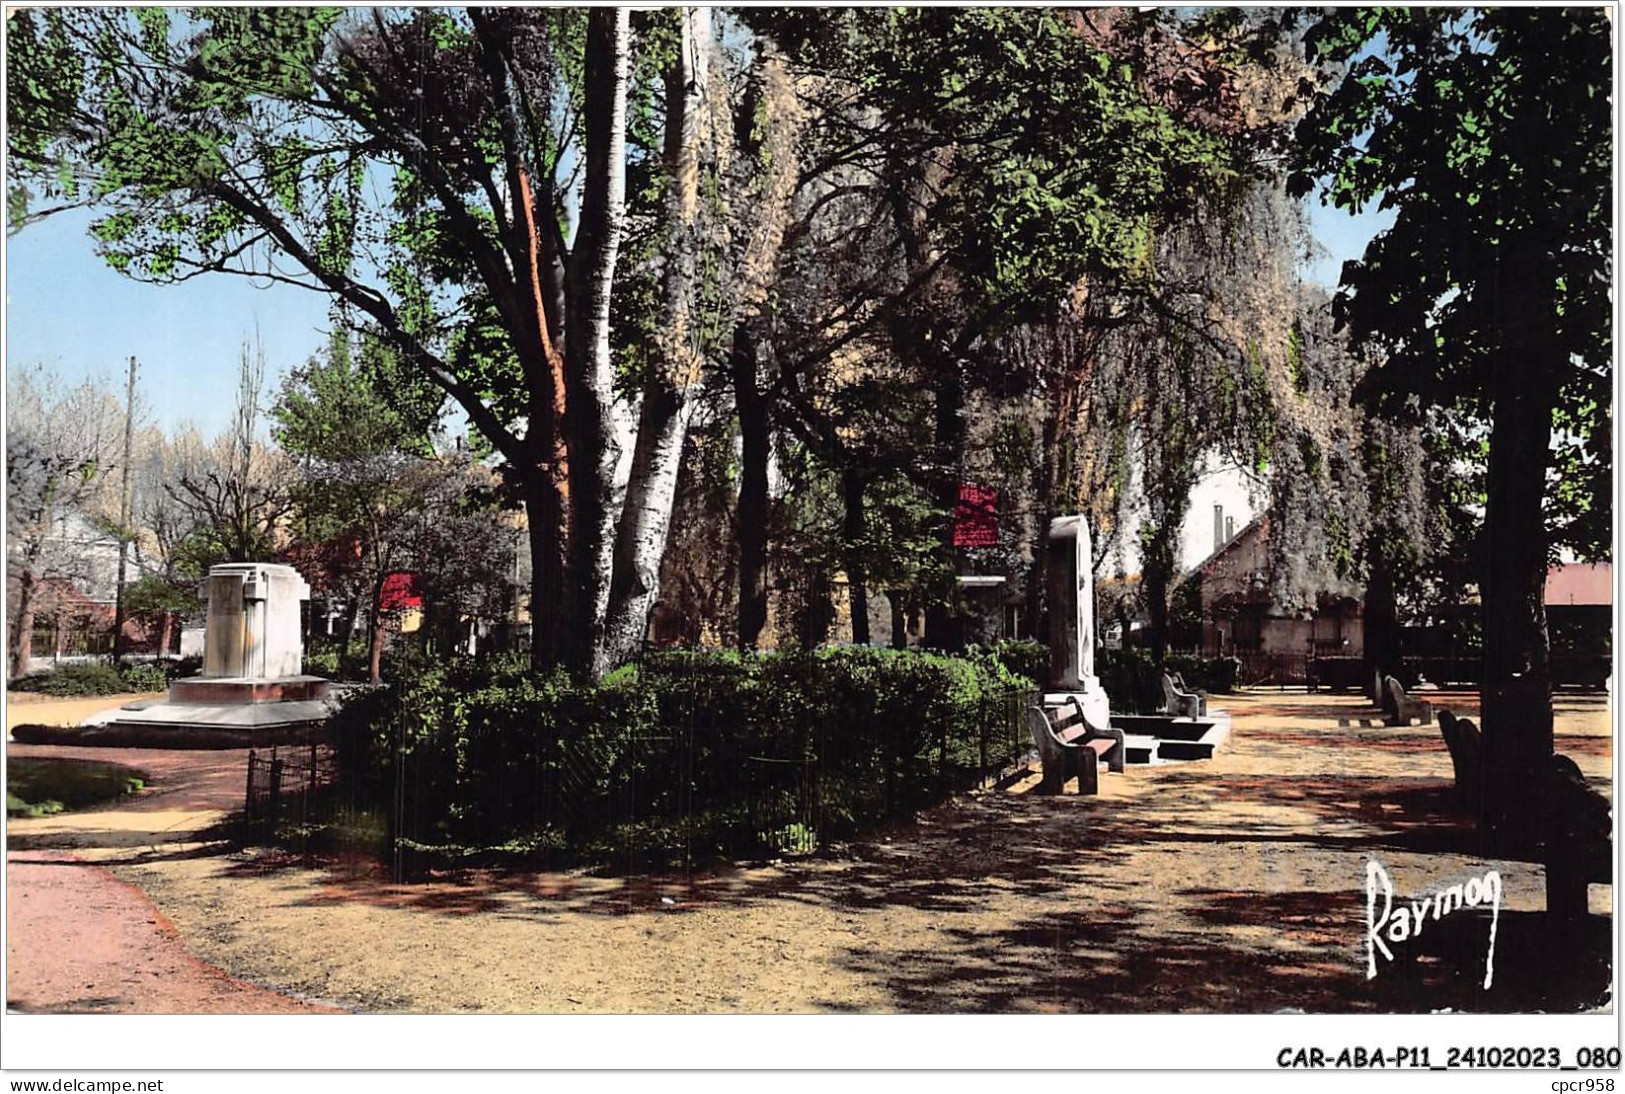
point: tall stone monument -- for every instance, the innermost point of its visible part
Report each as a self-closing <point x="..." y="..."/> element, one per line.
<point x="253" y="646"/>
<point x="1071" y="594"/>
<point x="253" y="656"/>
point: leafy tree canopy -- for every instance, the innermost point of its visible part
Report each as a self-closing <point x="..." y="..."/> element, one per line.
<point x="1489" y="134"/>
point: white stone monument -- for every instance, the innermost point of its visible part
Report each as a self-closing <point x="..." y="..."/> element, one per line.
<point x="253" y="646"/>
<point x="253" y="656"/>
<point x="1071" y="592"/>
<point x="253" y="621"/>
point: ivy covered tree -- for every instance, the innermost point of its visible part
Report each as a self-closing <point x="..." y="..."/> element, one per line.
<point x="1488" y="133"/>
<point x="968" y="172"/>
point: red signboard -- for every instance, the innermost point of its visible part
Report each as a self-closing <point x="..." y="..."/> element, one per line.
<point x="400" y="593"/>
<point x="976" y="517"/>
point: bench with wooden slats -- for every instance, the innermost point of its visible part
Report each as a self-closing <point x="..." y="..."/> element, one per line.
<point x="1068" y="748"/>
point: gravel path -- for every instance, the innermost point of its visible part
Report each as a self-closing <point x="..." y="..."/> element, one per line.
<point x="1233" y="885"/>
<point x="81" y="939"/>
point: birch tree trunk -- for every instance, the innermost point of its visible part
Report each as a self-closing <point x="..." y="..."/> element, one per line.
<point x="668" y="401"/>
<point x="590" y="423"/>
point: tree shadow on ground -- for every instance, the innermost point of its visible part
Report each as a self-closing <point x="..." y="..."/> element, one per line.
<point x="1081" y="928"/>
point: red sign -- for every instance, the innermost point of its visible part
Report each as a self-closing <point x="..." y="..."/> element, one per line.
<point x="400" y="593"/>
<point x="976" y="517"/>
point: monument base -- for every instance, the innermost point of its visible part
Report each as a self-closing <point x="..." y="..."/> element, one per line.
<point x="240" y="708"/>
<point x="224" y="690"/>
<point x="1091" y="697"/>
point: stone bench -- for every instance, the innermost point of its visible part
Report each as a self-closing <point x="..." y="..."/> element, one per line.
<point x="1068" y="747"/>
<point x="1180" y="703"/>
<point x="1398" y="708"/>
<point x="1181" y="686"/>
<point x="1461" y="737"/>
<point x="1576" y="841"/>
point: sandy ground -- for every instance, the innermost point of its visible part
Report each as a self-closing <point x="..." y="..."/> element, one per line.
<point x="1233" y="885"/>
<point x="81" y="939"/>
<point x="31" y="708"/>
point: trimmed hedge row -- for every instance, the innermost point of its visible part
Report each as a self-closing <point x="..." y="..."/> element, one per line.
<point x="1134" y="683"/>
<point x="102" y="678"/>
<point x="691" y="754"/>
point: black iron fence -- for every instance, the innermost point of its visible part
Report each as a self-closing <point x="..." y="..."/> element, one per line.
<point x="284" y="786"/>
<point x="1259" y="669"/>
<point x="692" y="787"/>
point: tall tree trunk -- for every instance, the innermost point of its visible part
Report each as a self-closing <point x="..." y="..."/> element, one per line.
<point x="1051" y="474"/>
<point x="899" y="620"/>
<point x="645" y="524"/>
<point x="375" y="649"/>
<point x="857" y="577"/>
<point x="755" y="433"/>
<point x="644" y="521"/>
<point x="166" y="625"/>
<point x="543" y="525"/>
<point x="1381" y="622"/>
<point x="348" y="631"/>
<point x="590" y="425"/>
<point x="1155" y="584"/>
<point x="942" y="629"/>
<point x="22" y="634"/>
<point x="1517" y="687"/>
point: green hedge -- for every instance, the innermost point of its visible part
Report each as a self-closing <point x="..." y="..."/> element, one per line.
<point x="99" y="678"/>
<point x="1133" y="682"/>
<point x="1019" y="656"/>
<point x="691" y="754"/>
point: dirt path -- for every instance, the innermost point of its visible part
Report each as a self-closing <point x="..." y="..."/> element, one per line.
<point x="30" y="708"/>
<point x="80" y="939"/>
<point x="1230" y="885"/>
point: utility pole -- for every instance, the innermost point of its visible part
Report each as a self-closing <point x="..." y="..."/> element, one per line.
<point x="124" y="515"/>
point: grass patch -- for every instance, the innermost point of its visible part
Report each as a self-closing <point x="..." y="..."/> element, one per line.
<point x="40" y="786"/>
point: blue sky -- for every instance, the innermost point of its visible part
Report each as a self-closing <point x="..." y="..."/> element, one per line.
<point x="67" y="310"/>
<point x="1342" y="237"/>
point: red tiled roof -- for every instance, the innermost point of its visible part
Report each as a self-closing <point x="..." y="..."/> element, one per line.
<point x="1580" y="583"/>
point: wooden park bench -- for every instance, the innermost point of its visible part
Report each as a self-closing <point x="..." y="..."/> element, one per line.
<point x="1179" y="703"/>
<point x="1068" y="747"/>
<point x="1399" y="708"/>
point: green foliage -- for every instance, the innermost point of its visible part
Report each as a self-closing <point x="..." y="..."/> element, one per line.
<point x="710" y="751"/>
<point x="86" y="678"/>
<point x="342" y="407"/>
<point x="1489" y="133"/>
<point x="1061" y="162"/>
<point x="150" y="597"/>
<point x="1019" y="661"/>
<point x="1133" y="682"/>
<point x="143" y="676"/>
<point x="40" y="786"/>
<point x="100" y="678"/>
